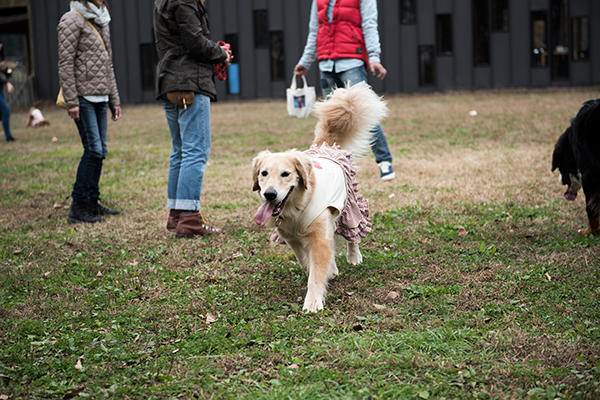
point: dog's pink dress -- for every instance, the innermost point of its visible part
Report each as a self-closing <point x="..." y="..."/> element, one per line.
<point x="336" y="187"/>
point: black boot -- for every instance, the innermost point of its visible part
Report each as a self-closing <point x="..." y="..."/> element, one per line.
<point x="97" y="209"/>
<point x="80" y="214"/>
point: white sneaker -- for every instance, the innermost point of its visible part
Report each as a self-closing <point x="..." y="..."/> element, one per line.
<point x="387" y="172"/>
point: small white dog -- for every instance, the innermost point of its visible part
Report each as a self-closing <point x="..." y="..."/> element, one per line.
<point x="310" y="196"/>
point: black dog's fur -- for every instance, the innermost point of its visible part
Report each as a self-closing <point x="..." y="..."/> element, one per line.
<point x="577" y="154"/>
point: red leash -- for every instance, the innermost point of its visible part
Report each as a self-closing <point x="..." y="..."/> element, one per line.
<point x="219" y="69"/>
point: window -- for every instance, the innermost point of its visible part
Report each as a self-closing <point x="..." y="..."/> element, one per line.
<point x="443" y="34"/>
<point x="408" y="12"/>
<point x="277" y="56"/>
<point x="426" y="66"/>
<point x="581" y="39"/>
<point x="539" y="56"/>
<point x="261" y="28"/>
<point x="559" y="36"/>
<point x="500" y="15"/>
<point x="148" y="60"/>
<point x="481" y="33"/>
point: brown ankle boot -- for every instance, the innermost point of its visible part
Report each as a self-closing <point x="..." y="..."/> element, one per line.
<point x="173" y="220"/>
<point x="195" y="224"/>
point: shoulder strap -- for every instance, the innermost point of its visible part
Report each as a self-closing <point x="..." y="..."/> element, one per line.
<point x="94" y="28"/>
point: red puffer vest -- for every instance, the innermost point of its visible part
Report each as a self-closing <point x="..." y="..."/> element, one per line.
<point x="343" y="37"/>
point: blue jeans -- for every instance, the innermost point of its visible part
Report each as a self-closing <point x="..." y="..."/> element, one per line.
<point x="190" y="135"/>
<point x="92" y="125"/>
<point x="5" y="114"/>
<point x="331" y="80"/>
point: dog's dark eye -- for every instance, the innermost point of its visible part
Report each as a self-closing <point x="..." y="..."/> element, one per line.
<point x="285" y="174"/>
<point x="264" y="173"/>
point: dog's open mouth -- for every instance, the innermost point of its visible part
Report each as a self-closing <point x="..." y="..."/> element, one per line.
<point x="574" y="187"/>
<point x="270" y="209"/>
<point x="570" y="195"/>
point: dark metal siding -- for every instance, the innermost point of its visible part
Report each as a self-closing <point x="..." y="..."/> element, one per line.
<point x="510" y="63"/>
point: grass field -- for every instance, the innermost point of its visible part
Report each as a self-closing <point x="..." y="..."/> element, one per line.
<point x="474" y="283"/>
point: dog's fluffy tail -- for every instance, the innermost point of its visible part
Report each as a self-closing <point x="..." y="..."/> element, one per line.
<point x="347" y="117"/>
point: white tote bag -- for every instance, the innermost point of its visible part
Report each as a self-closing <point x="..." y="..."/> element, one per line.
<point x="300" y="101"/>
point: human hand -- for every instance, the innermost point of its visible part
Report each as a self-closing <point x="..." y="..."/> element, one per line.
<point x="378" y="70"/>
<point x="9" y="87"/>
<point x="300" y="70"/>
<point x="116" y="113"/>
<point x="227" y="61"/>
<point x="74" y="113"/>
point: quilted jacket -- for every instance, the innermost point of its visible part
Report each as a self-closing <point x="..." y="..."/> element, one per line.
<point x="84" y="67"/>
<point x="186" y="54"/>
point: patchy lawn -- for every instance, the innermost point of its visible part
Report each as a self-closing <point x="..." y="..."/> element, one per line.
<point x="475" y="283"/>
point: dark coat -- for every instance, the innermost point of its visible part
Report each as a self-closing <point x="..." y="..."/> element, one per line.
<point x="186" y="54"/>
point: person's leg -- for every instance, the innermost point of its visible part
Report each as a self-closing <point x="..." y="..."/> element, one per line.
<point x="194" y="125"/>
<point x="379" y="144"/>
<point x="101" y="111"/>
<point x="329" y="81"/>
<point x="190" y="133"/>
<point x="5" y="116"/>
<point x="172" y="114"/>
<point x="87" y="125"/>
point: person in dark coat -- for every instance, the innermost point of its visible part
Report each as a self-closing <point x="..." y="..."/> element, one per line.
<point x="5" y="72"/>
<point x="185" y="86"/>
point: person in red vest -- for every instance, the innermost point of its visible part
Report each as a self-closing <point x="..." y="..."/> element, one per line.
<point x="344" y="38"/>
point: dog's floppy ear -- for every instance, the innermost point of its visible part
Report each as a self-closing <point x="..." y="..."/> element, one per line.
<point x="256" y="165"/>
<point x="304" y="168"/>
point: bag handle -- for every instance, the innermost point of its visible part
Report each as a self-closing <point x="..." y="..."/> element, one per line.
<point x="293" y="85"/>
<point x="94" y="28"/>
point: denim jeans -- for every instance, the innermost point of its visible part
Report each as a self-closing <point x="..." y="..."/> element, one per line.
<point x="92" y="125"/>
<point x="331" y="80"/>
<point x="5" y="114"/>
<point x="190" y="135"/>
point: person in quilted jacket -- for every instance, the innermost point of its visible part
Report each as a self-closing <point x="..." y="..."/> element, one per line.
<point x="87" y="79"/>
<point x="187" y="59"/>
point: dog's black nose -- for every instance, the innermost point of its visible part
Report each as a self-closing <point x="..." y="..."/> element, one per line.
<point x="270" y="195"/>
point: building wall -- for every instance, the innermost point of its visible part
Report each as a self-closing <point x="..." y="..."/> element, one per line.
<point x="509" y="66"/>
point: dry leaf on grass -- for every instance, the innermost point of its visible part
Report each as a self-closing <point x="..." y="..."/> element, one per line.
<point x="392" y="295"/>
<point x="3" y="397"/>
<point x="548" y="276"/>
<point x="78" y="364"/>
<point x="293" y="366"/>
<point x="462" y="231"/>
<point x="99" y="273"/>
<point x="210" y="318"/>
<point x="74" y="392"/>
<point x="379" y="306"/>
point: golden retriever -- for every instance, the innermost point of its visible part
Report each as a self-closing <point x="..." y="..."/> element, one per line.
<point x="310" y="196"/>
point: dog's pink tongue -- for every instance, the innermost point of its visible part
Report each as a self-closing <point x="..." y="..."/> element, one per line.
<point x="570" y="196"/>
<point x="264" y="213"/>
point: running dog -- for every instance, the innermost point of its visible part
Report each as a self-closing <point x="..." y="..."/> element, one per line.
<point x="577" y="157"/>
<point x="310" y="196"/>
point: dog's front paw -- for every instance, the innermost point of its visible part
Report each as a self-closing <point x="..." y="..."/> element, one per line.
<point x="585" y="232"/>
<point x="312" y="304"/>
<point x="353" y="256"/>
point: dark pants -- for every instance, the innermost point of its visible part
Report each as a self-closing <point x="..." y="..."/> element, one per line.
<point x="5" y="114"/>
<point x="92" y="130"/>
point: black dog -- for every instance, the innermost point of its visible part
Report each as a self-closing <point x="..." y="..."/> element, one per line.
<point x="577" y="157"/>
